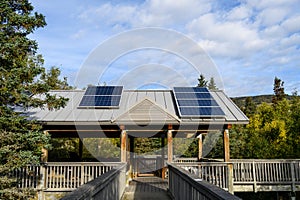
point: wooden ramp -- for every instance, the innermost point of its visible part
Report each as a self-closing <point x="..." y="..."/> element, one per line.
<point x="147" y="188"/>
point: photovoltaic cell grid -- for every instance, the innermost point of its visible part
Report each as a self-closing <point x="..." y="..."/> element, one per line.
<point x="102" y="97"/>
<point x="196" y="102"/>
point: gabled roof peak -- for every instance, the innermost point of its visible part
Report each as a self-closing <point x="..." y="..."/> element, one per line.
<point x="146" y="111"/>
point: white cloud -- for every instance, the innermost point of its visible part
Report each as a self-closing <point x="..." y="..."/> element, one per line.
<point x="239" y="13"/>
<point x="252" y="35"/>
<point x="272" y="16"/>
<point x="292" y="24"/>
<point x="293" y="40"/>
<point x="225" y="38"/>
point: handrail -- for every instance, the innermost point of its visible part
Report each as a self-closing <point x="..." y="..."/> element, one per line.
<point x="110" y="185"/>
<point x="60" y="176"/>
<point x="216" y="173"/>
<point x="250" y="174"/>
<point x="184" y="185"/>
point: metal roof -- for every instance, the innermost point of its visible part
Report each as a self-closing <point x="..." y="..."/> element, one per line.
<point x="148" y="106"/>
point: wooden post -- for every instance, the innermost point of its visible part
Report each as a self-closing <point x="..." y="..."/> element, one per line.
<point x="230" y="178"/>
<point x="170" y="146"/>
<point x="44" y="157"/>
<point x="226" y="145"/>
<point x="200" y="145"/>
<point x="123" y="144"/>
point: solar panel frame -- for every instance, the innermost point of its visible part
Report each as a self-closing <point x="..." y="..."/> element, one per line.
<point x="196" y="102"/>
<point x="190" y="89"/>
<point x="103" y="90"/>
<point x="101" y="97"/>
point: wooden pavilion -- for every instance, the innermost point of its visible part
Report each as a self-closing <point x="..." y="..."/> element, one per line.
<point x="139" y="114"/>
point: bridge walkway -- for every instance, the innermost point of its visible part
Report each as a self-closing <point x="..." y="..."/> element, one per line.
<point x="148" y="188"/>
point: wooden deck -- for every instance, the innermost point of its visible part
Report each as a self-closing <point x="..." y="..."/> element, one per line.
<point x="147" y="188"/>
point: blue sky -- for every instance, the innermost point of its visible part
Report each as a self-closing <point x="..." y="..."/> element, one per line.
<point x="249" y="41"/>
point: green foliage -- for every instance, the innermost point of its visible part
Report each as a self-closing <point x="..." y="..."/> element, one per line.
<point x="147" y="146"/>
<point x="273" y="132"/>
<point x="52" y="80"/>
<point x="249" y="107"/>
<point x="212" y="84"/>
<point x="64" y="149"/>
<point x="101" y="148"/>
<point x="21" y="140"/>
<point x="278" y="90"/>
<point x="201" y="81"/>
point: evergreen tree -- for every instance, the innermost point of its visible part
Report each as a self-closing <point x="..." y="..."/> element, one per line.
<point x="278" y="90"/>
<point x="52" y="80"/>
<point x="21" y="141"/>
<point x="212" y="85"/>
<point x="201" y="81"/>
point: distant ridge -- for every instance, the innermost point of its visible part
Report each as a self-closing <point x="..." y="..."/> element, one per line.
<point x="240" y="101"/>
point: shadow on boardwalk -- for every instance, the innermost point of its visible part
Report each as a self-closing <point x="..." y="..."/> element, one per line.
<point x="147" y="188"/>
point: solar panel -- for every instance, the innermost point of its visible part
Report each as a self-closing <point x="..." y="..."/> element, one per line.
<point x="104" y="90"/>
<point x="190" y="89"/>
<point x="97" y="101"/>
<point x="101" y="97"/>
<point x="181" y="95"/>
<point x="201" y="111"/>
<point x="196" y="102"/>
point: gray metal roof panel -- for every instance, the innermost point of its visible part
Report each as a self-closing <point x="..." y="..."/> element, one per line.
<point x="163" y="98"/>
<point x="230" y="105"/>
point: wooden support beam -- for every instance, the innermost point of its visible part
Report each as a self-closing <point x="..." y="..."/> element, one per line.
<point x="200" y="146"/>
<point x="170" y="146"/>
<point x="123" y="146"/>
<point x="226" y="145"/>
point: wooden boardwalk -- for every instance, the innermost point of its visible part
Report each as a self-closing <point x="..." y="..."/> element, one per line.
<point x="147" y="188"/>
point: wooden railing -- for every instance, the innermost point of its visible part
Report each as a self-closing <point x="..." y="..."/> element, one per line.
<point x="249" y="175"/>
<point x="61" y="176"/>
<point x="110" y="185"/>
<point x="28" y="177"/>
<point x="185" y="185"/>
<point x="262" y="175"/>
<point x="216" y="173"/>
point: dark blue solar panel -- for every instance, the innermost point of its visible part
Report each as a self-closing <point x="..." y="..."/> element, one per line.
<point x="197" y="102"/>
<point x="193" y="95"/>
<point x="102" y="96"/>
<point x="201" y="111"/>
<point x="104" y="90"/>
<point x="190" y="89"/>
<point x="100" y="101"/>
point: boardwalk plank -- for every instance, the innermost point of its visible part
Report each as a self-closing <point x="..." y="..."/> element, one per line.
<point x="147" y="188"/>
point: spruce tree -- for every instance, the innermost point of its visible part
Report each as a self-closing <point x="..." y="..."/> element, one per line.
<point x="278" y="89"/>
<point x="21" y="140"/>
<point x="212" y="84"/>
<point x="201" y="81"/>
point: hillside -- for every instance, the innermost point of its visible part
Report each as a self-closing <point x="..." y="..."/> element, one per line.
<point x="240" y="101"/>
